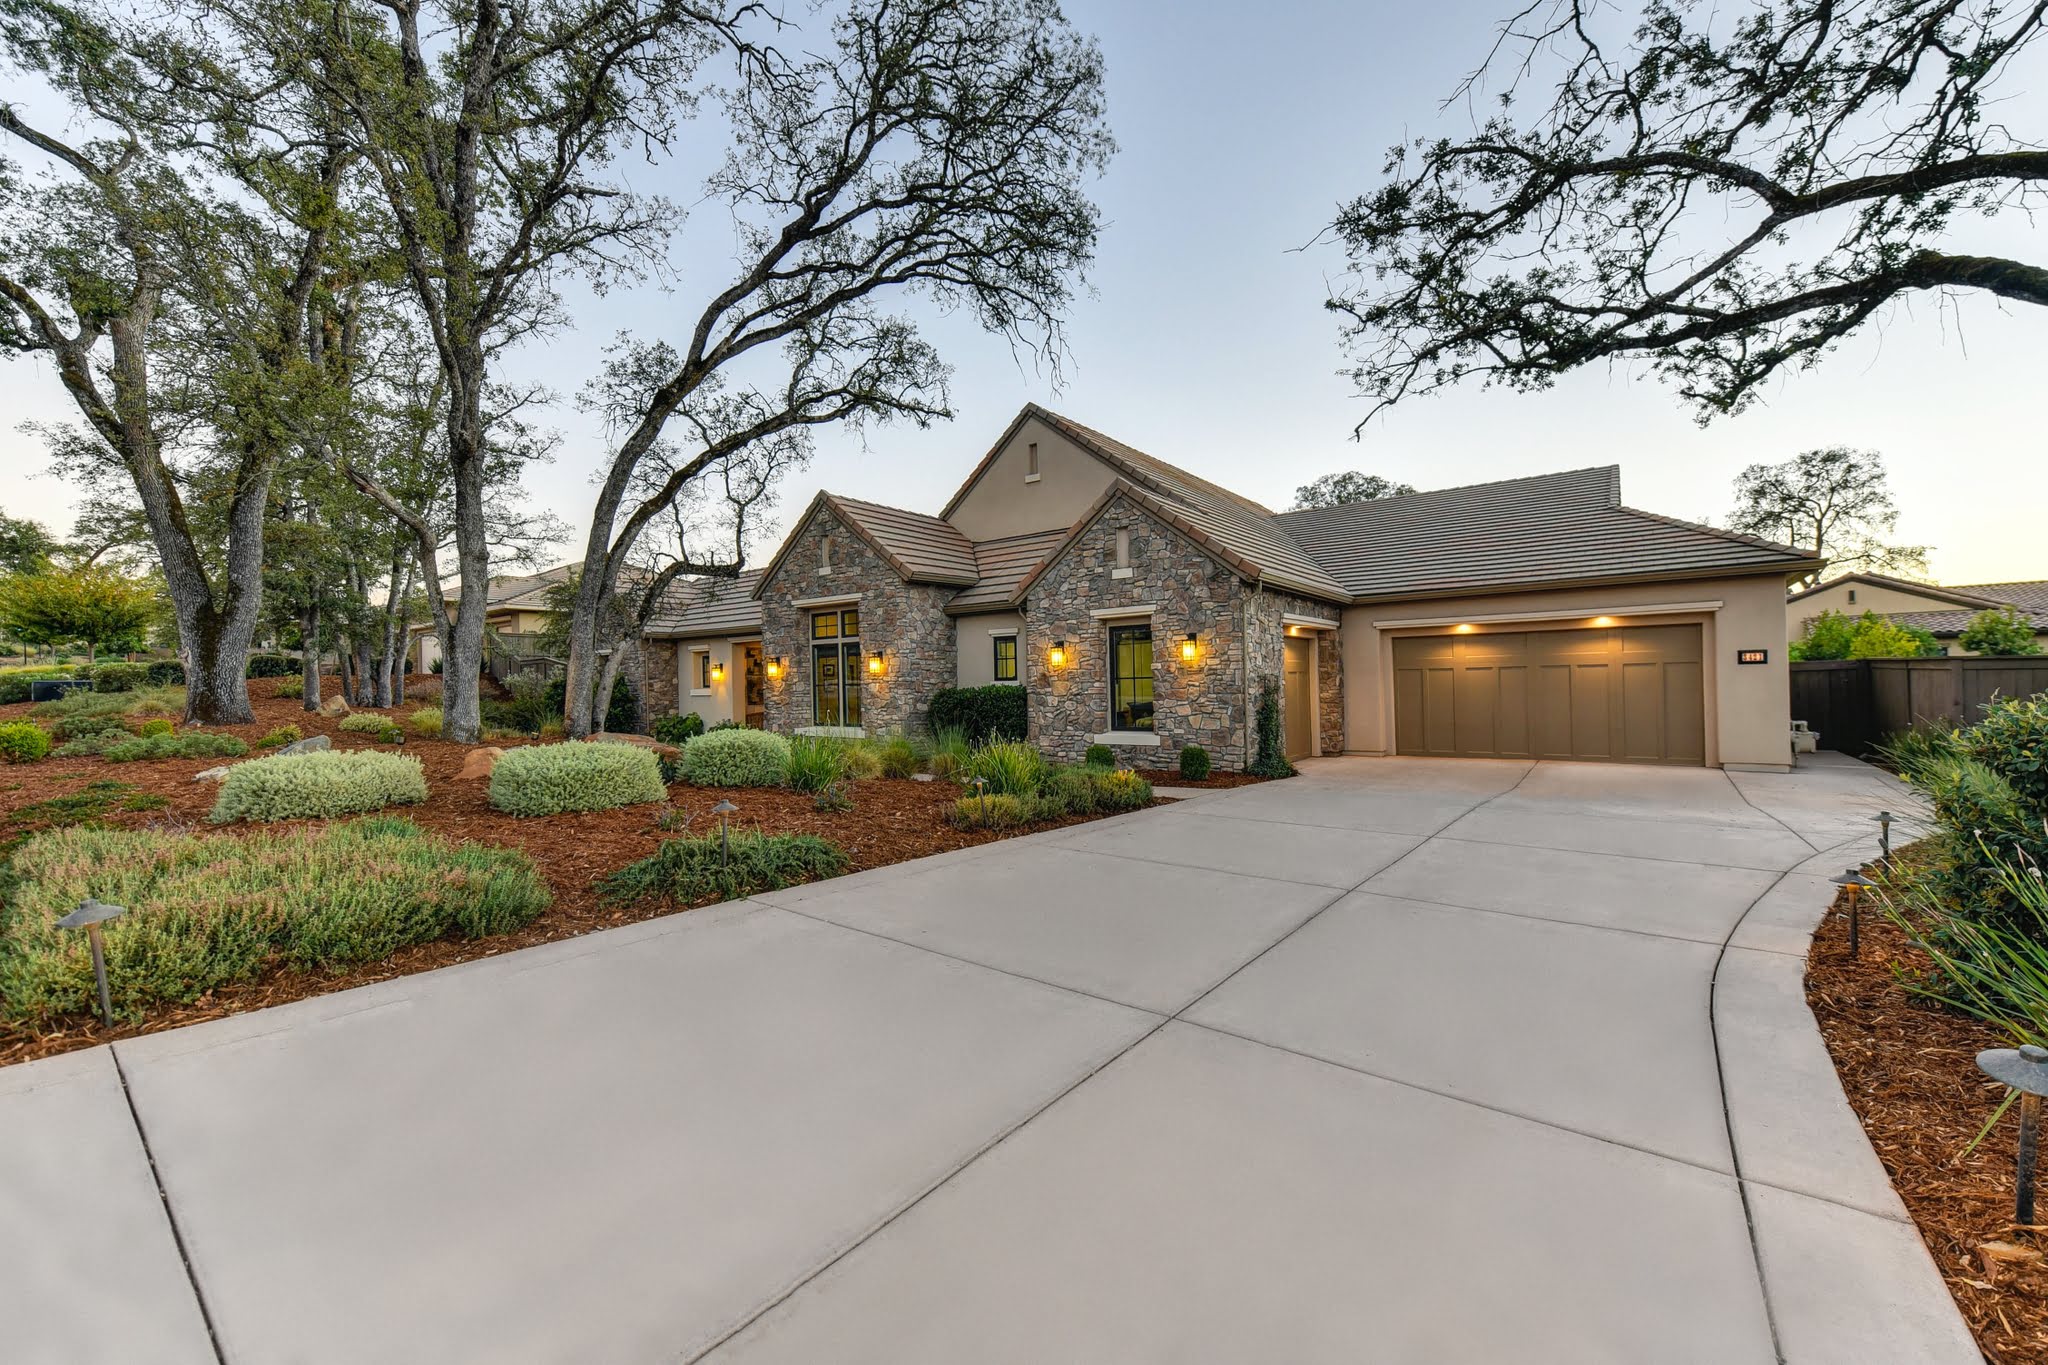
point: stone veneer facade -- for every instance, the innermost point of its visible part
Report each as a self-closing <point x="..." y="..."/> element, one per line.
<point x="906" y="621"/>
<point x="659" y="678"/>
<point x="1201" y="703"/>
<point x="1264" y="611"/>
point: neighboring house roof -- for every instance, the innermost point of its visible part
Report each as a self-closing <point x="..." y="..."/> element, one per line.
<point x="1949" y="624"/>
<point x="709" y="606"/>
<point x="1004" y="565"/>
<point x="1969" y="597"/>
<point x="1519" y="533"/>
<point x="2029" y="595"/>
<point x="512" y="590"/>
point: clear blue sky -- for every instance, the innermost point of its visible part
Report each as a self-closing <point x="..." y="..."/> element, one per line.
<point x="1205" y="341"/>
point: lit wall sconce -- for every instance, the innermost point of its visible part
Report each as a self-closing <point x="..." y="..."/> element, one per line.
<point x="875" y="664"/>
<point x="1058" y="656"/>
<point x="1187" y="649"/>
<point x="717" y="671"/>
<point x="775" y="667"/>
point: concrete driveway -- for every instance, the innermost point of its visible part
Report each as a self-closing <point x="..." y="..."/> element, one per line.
<point x="1398" y="1061"/>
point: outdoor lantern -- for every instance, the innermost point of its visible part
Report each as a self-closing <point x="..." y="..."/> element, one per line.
<point x="1058" y="657"/>
<point x="1187" y="649"/>
<point x="875" y="663"/>
<point x="717" y="671"/>
<point x="2025" y="1069"/>
<point x="1857" y="884"/>
<point x="88" y="916"/>
<point x="775" y="667"/>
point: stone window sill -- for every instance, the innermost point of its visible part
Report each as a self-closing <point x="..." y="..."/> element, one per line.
<point x="700" y="691"/>
<point x="832" y="731"/>
<point x="1133" y="739"/>
<point x="1031" y="478"/>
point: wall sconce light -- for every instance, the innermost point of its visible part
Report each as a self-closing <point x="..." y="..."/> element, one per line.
<point x="875" y="663"/>
<point x="1187" y="649"/>
<point x="1058" y="657"/>
<point x="717" y="671"/>
<point x="775" y="667"/>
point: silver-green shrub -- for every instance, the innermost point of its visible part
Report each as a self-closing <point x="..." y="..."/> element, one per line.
<point x="736" y="758"/>
<point x="329" y="782"/>
<point x="542" y="779"/>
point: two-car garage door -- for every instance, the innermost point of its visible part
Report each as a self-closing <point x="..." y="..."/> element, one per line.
<point x="1631" y="694"/>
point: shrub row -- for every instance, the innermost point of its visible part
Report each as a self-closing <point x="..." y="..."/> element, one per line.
<point x="207" y="910"/>
<point x="325" y="783"/>
<point x="694" y="871"/>
<point x="543" y="779"/>
<point x="997" y="711"/>
<point x="193" y="744"/>
<point x="1058" y="792"/>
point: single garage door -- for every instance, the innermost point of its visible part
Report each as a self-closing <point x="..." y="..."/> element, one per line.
<point x="1634" y="694"/>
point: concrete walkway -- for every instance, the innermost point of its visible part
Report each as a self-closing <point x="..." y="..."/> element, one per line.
<point x="1398" y="1061"/>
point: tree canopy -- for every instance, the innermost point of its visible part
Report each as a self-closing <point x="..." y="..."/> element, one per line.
<point x="1835" y="502"/>
<point x="2001" y="630"/>
<point x="1722" y="193"/>
<point x="1334" y="490"/>
<point x="98" y="607"/>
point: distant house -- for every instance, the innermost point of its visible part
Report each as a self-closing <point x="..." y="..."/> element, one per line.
<point x="515" y="611"/>
<point x="1141" y="607"/>
<point x="1941" y="611"/>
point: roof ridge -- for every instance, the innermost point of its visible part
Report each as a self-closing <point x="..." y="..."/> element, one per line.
<point x="1612" y="469"/>
<point x="1093" y="437"/>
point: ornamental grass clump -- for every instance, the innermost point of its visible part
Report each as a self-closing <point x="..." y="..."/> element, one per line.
<point x="208" y="910"/>
<point x="898" y="756"/>
<point x="546" y="779"/>
<point x="325" y="783"/>
<point x="1010" y="767"/>
<point x="425" y="724"/>
<point x="194" y="744"/>
<point x="1119" y="789"/>
<point x="736" y="758"/>
<point x="281" y="736"/>
<point x="815" y="763"/>
<point x="695" y="871"/>
<point x="993" y="811"/>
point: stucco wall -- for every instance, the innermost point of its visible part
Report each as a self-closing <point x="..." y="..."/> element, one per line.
<point x="1748" y="706"/>
<point x="1006" y="503"/>
<point x="1200" y="703"/>
<point x="1869" y="597"/>
<point x="906" y="621"/>
<point x="977" y="656"/>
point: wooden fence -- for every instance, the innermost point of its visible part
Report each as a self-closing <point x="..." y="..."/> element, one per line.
<point x="1855" y="703"/>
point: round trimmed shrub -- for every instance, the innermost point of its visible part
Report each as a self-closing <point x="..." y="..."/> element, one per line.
<point x="119" y="677"/>
<point x="1120" y="789"/>
<point x="160" y="726"/>
<point x="271" y="666"/>
<point x="1194" y="762"/>
<point x="22" y="742"/>
<point x="676" y="730"/>
<point x="325" y="783"/>
<point x="1099" y="756"/>
<point x="544" y="779"/>
<point x="736" y="758"/>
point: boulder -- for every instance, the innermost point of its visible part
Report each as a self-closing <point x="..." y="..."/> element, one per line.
<point x="479" y="763"/>
<point x="213" y="774"/>
<point x="312" y="744"/>
<point x="333" y="706"/>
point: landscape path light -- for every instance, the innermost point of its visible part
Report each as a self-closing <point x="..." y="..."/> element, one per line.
<point x="2025" y="1069"/>
<point x="1884" y="835"/>
<point x="1857" y="884"/>
<point x="89" y="915"/>
<point x="981" y="790"/>
<point x="722" y="810"/>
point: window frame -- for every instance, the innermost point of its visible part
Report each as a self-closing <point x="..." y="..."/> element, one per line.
<point x="998" y="646"/>
<point x="843" y="649"/>
<point x="700" y="672"/>
<point x="1117" y="683"/>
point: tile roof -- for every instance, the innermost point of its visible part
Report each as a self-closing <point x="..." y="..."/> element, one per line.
<point x="919" y="546"/>
<point x="1935" y="591"/>
<point x="1952" y="623"/>
<point x="1243" y="532"/>
<point x="1517" y="533"/>
<point x="1003" y="566"/>
<point x="2029" y="595"/>
<point x="709" y="606"/>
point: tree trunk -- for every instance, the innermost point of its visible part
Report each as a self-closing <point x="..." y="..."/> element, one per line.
<point x="607" y="678"/>
<point x="462" y="649"/>
<point x="309" y="657"/>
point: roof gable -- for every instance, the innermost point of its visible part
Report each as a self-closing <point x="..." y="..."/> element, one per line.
<point x="919" y="548"/>
<point x="1968" y="597"/>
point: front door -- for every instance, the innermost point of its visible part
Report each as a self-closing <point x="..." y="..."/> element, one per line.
<point x="755" y="698"/>
<point x="1297" y="697"/>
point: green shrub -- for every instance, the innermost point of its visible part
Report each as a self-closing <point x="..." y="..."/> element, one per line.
<point x="2002" y="630"/>
<point x="995" y="712"/>
<point x="165" y="673"/>
<point x="424" y="723"/>
<point x="1066" y="791"/>
<point x="1009" y="766"/>
<point x="120" y="677"/>
<point x="621" y="716"/>
<point x="1194" y="762"/>
<point x="1120" y="789"/>
<point x="90" y="723"/>
<point x="1099" y="756"/>
<point x="281" y="736"/>
<point x="1977" y="813"/>
<point x="2011" y="739"/>
<point x="160" y="726"/>
<point x="1995" y="970"/>
<point x="15" y="686"/>
<point x="693" y="871"/>
<point x="154" y="701"/>
<point x="950" y="751"/>
<point x="325" y="783"/>
<point x="542" y="779"/>
<point x="272" y="666"/>
<point x="93" y="745"/>
<point x="676" y="730"/>
<point x="736" y="758"/>
<point x="897" y="756"/>
<point x="815" y="763"/>
<point x="1833" y="635"/>
<point x="363" y="723"/>
<point x="208" y="910"/>
<point x="23" y="742"/>
<point x="196" y="744"/>
<point x="993" y="811"/>
<point x="1271" y="759"/>
<point x="294" y="688"/>
<point x="1908" y="749"/>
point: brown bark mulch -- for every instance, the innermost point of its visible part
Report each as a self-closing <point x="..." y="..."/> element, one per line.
<point x="1909" y="1068"/>
<point x="892" y="819"/>
<point x="1170" y="777"/>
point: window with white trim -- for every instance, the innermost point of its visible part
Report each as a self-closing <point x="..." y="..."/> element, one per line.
<point x="1005" y="658"/>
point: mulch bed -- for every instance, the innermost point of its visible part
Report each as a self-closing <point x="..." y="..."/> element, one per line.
<point x="1170" y="777"/>
<point x="1909" y="1068"/>
<point x="893" y="819"/>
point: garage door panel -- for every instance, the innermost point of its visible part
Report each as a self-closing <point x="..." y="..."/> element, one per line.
<point x="1635" y="694"/>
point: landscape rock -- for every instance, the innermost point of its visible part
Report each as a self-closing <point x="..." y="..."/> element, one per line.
<point x="334" y="706"/>
<point x="213" y="774"/>
<point x="312" y="744"/>
<point x="479" y="763"/>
